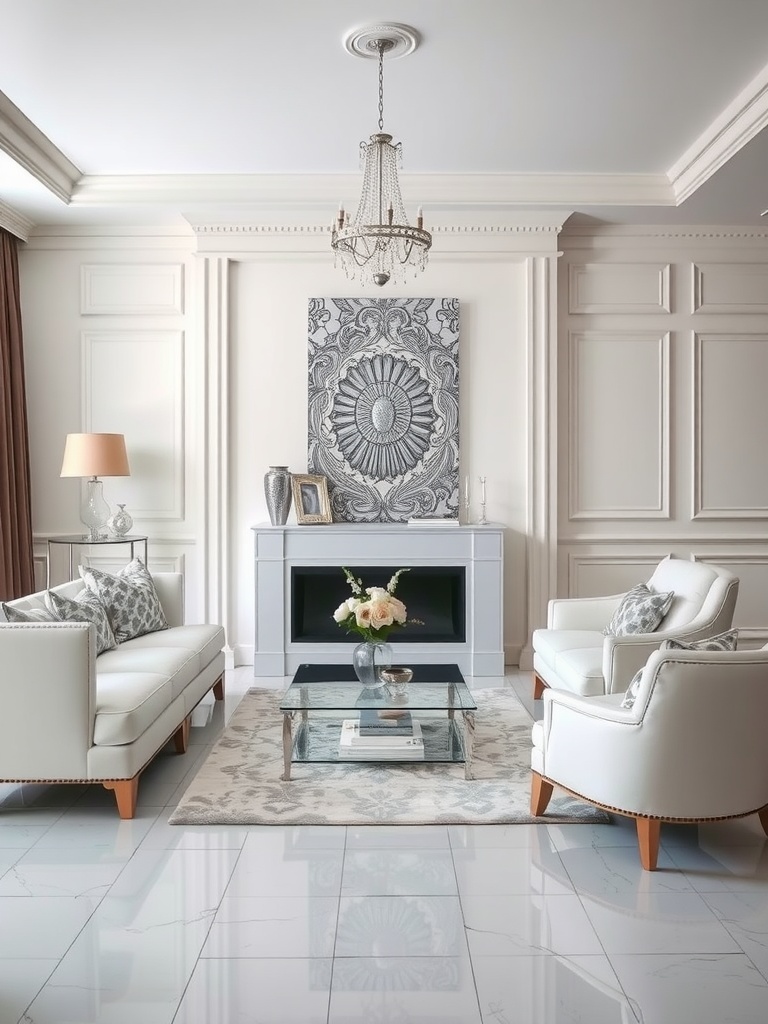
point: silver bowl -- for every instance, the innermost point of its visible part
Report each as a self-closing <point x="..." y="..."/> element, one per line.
<point x="397" y="679"/>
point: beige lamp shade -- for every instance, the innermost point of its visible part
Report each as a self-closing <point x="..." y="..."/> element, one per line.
<point x="95" y="455"/>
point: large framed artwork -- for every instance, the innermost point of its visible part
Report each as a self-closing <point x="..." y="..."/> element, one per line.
<point x="383" y="417"/>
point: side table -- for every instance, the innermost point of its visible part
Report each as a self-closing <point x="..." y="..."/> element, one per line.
<point x="80" y="541"/>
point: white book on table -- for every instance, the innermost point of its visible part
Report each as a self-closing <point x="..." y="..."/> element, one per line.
<point x="353" y="737"/>
<point x="383" y="747"/>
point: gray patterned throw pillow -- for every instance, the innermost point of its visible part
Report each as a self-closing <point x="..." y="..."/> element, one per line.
<point x="130" y="598"/>
<point x="26" y="614"/>
<point x="722" y="642"/>
<point x="640" y="611"/>
<point x="86" y="607"/>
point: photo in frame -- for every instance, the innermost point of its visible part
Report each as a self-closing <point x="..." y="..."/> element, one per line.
<point x="310" y="499"/>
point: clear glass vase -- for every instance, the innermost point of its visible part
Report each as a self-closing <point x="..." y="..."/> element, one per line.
<point x="369" y="659"/>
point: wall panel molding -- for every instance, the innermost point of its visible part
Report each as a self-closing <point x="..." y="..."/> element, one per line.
<point x="580" y="564"/>
<point x="133" y="384"/>
<point x="639" y="288"/>
<point x="619" y="394"/>
<point x="138" y="289"/>
<point x="729" y="437"/>
<point x="730" y="288"/>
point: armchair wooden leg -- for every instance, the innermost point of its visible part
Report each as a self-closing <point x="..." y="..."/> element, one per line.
<point x="181" y="736"/>
<point x="648" y="835"/>
<point x="126" y="794"/>
<point x="539" y="686"/>
<point x="763" y="816"/>
<point x="541" y="794"/>
<point x="218" y="688"/>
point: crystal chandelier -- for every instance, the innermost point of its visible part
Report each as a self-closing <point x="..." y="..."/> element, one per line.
<point x="378" y="239"/>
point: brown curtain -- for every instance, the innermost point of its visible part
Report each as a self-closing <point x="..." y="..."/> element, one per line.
<point x="17" y="570"/>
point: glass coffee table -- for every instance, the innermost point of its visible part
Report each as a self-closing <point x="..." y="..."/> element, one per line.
<point x="324" y="701"/>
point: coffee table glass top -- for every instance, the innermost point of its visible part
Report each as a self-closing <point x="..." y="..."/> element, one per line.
<point x="336" y="688"/>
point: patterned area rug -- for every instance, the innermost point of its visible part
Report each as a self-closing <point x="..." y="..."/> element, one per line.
<point x="239" y="783"/>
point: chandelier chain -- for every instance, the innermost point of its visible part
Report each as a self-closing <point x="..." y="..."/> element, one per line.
<point x="381" y="85"/>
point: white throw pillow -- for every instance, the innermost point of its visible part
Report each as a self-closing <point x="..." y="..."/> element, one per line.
<point x="13" y="614"/>
<point x="641" y="610"/>
<point x="130" y="598"/>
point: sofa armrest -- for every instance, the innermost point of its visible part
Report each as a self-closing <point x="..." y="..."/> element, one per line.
<point x="170" y="590"/>
<point x="48" y="697"/>
<point x="592" y="613"/>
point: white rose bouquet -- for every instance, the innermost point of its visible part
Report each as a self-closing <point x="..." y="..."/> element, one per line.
<point x="373" y="611"/>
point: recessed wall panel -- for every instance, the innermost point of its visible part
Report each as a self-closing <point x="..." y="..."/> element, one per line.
<point x="730" y="433"/>
<point x="618" y="288"/>
<point x="730" y="288"/>
<point x="133" y="384"/>
<point x="132" y="288"/>
<point x="618" y="425"/>
<point x="592" y="575"/>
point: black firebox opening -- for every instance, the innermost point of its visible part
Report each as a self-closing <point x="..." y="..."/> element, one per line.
<point x="434" y="594"/>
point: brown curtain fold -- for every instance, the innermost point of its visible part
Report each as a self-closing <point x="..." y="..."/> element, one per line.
<point x="17" y="569"/>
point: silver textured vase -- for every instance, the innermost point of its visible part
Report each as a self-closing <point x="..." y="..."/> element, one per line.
<point x="120" y="523"/>
<point x="277" y="491"/>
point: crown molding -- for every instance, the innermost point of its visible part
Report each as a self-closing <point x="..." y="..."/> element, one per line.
<point x="14" y="222"/>
<point x="33" y="151"/>
<point x="446" y="191"/>
<point x="741" y="120"/>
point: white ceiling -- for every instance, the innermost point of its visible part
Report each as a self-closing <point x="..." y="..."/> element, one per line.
<point x="614" y="109"/>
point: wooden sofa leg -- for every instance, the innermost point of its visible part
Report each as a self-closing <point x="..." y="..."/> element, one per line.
<point x="763" y="816"/>
<point x="541" y="794"/>
<point x="648" y="835"/>
<point x="539" y="686"/>
<point x="218" y="688"/>
<point x="126" y="793"/>
<point x="181" y="736"/>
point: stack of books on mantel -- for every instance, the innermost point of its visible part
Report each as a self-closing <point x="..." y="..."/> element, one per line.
<point x="376" y="738"/>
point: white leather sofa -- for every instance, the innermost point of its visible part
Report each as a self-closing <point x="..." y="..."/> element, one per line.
<point x="573" y="654"/>
<point x="70" y="715"/>
<point x="692" y="747"/>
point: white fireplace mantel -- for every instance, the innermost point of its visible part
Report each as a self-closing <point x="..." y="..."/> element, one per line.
<point x="479" y="549"/>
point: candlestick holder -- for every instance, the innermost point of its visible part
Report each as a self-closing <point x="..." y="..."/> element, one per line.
<point x="482" y="521"/>
<point x="466" y="503"/>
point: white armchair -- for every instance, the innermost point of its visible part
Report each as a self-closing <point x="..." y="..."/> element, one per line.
<point x="573" y="654"/>
<point x="692" y="748"/>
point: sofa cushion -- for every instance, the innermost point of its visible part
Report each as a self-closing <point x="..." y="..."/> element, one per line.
<point x="641" y="610"/>
<point x="86" y="607"/>
<point x="179" y="665"/>
<point x="206" y="640"/>
<point x="130" y="598"/>
<point x="581" y="670"/>
<point x="128" y="703"/>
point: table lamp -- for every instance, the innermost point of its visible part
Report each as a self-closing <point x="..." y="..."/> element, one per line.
<point x="92" y="456"/>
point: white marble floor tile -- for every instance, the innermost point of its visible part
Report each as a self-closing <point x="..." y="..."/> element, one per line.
<point x="606" y="870"/>
<point x="20" y="837"/>
<point x="745" y="916"/>
<point x="20" y="981"/>
<point x="107" y="835"/>
<point x="257" y="992"/>
<point x="287" y="841"/>
<point x="391" y="872"/>
<point x="185" y="881"/>
<point x="418" y="990"/>
<point x="279" y="926"/>
<point x="694" y="989"/>
<point x="401" y="837"/>
<point x="311" y="872"/>
<point x="400" y="926"/>
<point x="476" y="837"/>
<point x="669" y="922"/>
<point x="584" y="837"/>
<point x="711" y="867"/>
<point x="43" y="926"/>
<point x="528" y="925"/>
<point x="162" y="836"/>
<point x="488" y="872"/>
<point x="550" y="990"/>
<point x="62" y="873"/>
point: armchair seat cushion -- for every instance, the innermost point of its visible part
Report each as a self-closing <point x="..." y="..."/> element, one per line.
<point x="573" y="655"/>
